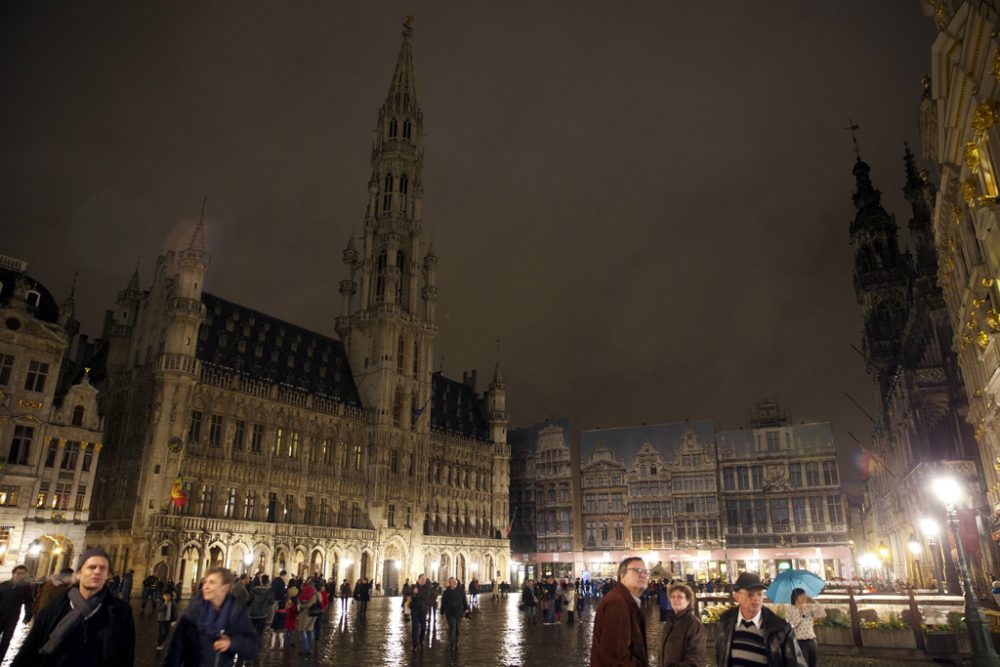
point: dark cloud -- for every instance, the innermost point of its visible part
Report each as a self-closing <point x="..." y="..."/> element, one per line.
<point x="648" y="202"/>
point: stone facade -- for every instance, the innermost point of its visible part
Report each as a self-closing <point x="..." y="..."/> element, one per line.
<point x="907" y="345"/>
<point x="959" y="133"/>
<point x="346" y="457"/>
<point x="49" y="424"/>
<point x="663" y="492"/>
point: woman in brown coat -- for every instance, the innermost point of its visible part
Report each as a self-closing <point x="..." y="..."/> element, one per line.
<point x="683" y="635"/>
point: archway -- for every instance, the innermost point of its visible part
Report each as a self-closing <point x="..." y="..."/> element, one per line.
<point x="444" y="569"/>
<point x="392" y="567"/>
<point x="49" y="554"/>
<point x="299" y="563"/>
<point x="490" y="573"/>
<point x="216" y="557"/>
<point x="280" y="561"/>
<point x="190" y="566"/>
<point x="316" y="563"/>
<point x="366" y="564"/>
<point x="460" y="568"/>
<point x="238" y="559"/>
<point x="161" y="570"/>
<point x="262" y="559"/>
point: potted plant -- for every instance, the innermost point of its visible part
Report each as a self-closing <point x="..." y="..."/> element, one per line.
<point x="834" y="629"/>
<point x="947" y="638"/>
<point x="890" y="633"/>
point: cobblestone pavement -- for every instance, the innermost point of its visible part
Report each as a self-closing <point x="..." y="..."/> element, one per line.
<point x="497" y="636"/>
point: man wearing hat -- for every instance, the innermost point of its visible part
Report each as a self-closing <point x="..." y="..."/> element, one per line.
<point x="751" y="634"/>
<point x="83" y="626"/>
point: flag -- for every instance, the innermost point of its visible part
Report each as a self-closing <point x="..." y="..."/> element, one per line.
<point x="177" y="494"/>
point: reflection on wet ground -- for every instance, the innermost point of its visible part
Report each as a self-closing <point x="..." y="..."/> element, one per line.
<point x="497" y="636"/>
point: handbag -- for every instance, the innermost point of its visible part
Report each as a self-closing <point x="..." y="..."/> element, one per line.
<point x="316" y="609"/>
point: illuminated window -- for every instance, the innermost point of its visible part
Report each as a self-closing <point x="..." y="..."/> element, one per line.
<point x="8" y="495"/>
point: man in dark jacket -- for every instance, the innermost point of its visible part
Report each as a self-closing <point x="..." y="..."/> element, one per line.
<point x="279" y="586"/>
<point x="84" y="626"/>
<point x="420" y="594"/>
<point x="619" y="622"/>
<point x="150" y="592"/>
<point x="15" y="593"/>
<point x="214" y="628"/>
<point x="753" y="634"/>
<point x="261" y="604"/>
<point x="453" y="606"/>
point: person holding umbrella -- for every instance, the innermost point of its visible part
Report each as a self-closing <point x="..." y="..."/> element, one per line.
<point x="801" y="618"/>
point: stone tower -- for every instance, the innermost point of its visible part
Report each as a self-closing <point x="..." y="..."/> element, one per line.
<point x="387" y="324"/>
<point x="882" y="277"/>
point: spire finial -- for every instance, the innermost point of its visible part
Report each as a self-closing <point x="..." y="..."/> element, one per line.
<point x="133" y="283"/>
<point x="408" y="26"/>
<point x="198" y="237"/>
<point x="497" y="375"/>
<point x="853" y="129"/>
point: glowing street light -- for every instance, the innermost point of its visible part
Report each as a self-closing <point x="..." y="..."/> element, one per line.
<point x="949" y="492"/>
<point x="931" y="529"/>
<point x="915" y="548"/>
<point x="35" y="549"/>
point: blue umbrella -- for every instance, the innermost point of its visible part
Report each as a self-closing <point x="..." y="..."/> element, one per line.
<point x="786" y="582"/>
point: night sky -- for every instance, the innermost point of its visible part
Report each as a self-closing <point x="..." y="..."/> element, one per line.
<point x="647" y="202"/>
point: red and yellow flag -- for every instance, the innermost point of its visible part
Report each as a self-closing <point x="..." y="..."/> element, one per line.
<point x="177" y="495"/>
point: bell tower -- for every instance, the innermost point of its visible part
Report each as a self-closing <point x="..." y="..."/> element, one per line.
<point x="388" y="291"/>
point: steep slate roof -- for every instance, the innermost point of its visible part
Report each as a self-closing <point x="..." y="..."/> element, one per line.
<point x="47" y="310"/>
<point x="289" y="355"/>
<point x="456" y="409"/>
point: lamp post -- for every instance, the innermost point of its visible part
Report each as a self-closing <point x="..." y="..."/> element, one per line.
<point x="883" y="553"/>
<point x="948" y="491"/>
<point x="914" y="546"/>
<point x="930" y="528"/>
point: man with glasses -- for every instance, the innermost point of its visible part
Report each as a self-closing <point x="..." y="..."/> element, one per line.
<point x="619" y="622"/>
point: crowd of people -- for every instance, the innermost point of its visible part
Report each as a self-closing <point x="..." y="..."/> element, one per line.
<point x="84" y="617"/>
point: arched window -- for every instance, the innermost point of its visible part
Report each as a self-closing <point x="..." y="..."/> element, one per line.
<point x="33" y="297"/>
<point x="401" y="350"/>
<point x="393" y="128"/>
<point x="387" y="193"/>
<point x="403" y="283"/>
<point x="380" y="277"/>
<point x="404" y="188"/>
<point x="78" y="416"/>
<point x="416" y="357"/>
<point x="407" y="128"/>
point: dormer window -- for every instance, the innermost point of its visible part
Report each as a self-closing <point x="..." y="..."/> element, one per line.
<point x="407" y="127"/>
<point x="32" y="298"/>
<point x="78" y="416"/>
<point x="393" y="127"/>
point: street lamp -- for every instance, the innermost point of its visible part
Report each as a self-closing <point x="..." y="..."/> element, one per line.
<point x="949" y="491"/>
<point x="930" y="528"/>
<point x="883" y="553"/>
<point x="915" y="550"/>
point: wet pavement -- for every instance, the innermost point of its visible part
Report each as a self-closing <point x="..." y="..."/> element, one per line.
<point x="496" y="636"/>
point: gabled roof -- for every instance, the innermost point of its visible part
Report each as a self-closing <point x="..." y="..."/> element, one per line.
<point x="456" y="409"/>
<point x="271" y="350"/>
<point x="47" y="309"/>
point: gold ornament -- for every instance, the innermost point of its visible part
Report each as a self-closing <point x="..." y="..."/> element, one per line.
<point x="992" y="319"/>
<point x="996" y="66"/>
<point x="987" y="282"/>
<point x="982" y="340"/>
<point x="969" y="193"/>
<point x="972" y="156"/>
<point x="986" y="116"/>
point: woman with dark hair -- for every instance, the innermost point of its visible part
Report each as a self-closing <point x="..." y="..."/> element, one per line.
<point x="801" y="618"/>
<point x="214" y="628"/>
<point x="683" y="642"/>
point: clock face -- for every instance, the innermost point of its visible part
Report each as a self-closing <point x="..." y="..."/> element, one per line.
<point x="175" y="444"/>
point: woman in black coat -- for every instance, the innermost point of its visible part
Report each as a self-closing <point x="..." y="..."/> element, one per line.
<point x="214" y="628"/>
<point x="683" y="635"/>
